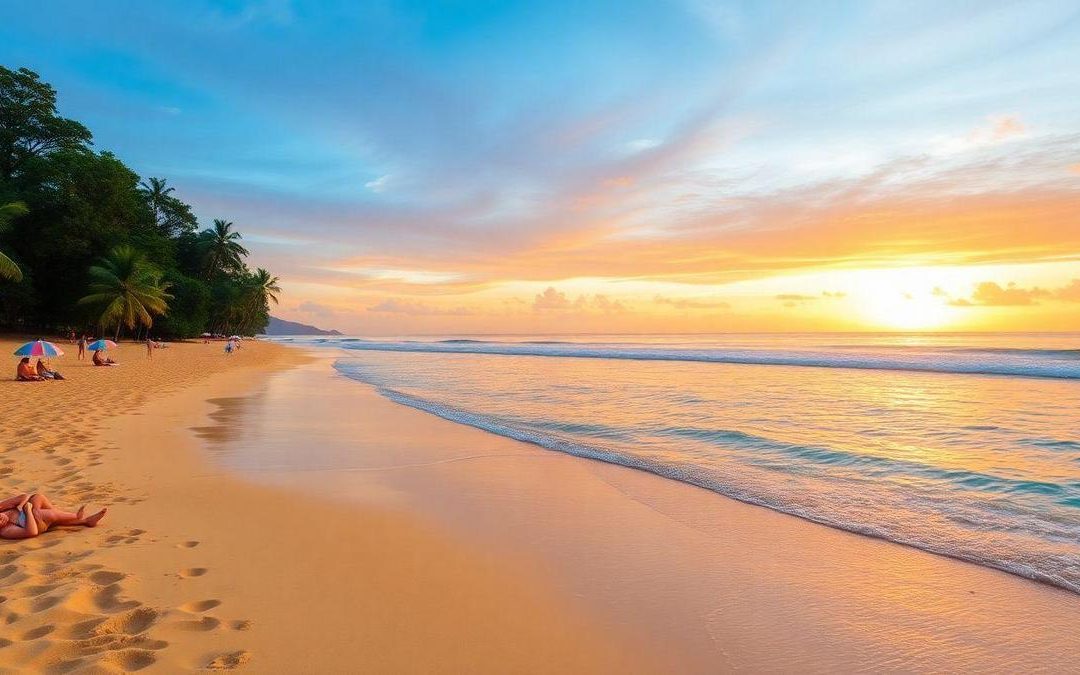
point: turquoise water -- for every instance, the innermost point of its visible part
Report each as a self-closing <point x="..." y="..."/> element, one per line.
<point x="964" y="445"/>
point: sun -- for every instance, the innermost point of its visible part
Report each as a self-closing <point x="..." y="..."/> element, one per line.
<point x="906" y="311"/>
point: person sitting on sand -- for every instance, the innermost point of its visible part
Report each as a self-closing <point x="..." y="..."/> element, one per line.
<point x="27" y="516"/>
<point x="49" y="374"/>
<point x="101" y="360"/>
<point x="26" y="373"/>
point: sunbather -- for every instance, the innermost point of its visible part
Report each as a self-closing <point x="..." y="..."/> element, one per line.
<point x="26" y="372"/>
<point x="46" y="372"/>
<point x="26" y="516"/>
<point x="101" y="360"/>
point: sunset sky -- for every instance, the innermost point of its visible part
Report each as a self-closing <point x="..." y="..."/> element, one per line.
<point x="624" y="166"/>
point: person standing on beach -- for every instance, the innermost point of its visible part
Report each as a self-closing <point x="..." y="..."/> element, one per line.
<point x="149" y="348"/>
<point x="82" y="346"/>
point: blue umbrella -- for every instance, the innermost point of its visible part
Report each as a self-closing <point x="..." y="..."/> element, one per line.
<point x="39" y="348"/>
<point x="100" y="345"/>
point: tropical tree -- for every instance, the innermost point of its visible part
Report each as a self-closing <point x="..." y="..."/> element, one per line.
<point x="29" y="126"/>
<point x="128" y="290"/>
<point x="172" y="216"/>
<point x="264" y="288"/>
<point x="70" y="206"/>
<point x="224" y="252"/>
<point x="261" y="289"/>
<point x="8" y="268"/>
<point x="157" y="196"/>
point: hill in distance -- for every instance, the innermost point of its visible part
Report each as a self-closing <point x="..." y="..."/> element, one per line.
<point x="282" y="327"/>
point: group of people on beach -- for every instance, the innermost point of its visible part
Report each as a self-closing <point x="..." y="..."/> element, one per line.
<point x="25" y="372"/>
<point x="25" y="516"/>
<point x="42" y="370"/>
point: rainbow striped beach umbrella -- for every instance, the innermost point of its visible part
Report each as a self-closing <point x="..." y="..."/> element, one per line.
<point x="100" y="345"/>
<point x="39" y="348"/>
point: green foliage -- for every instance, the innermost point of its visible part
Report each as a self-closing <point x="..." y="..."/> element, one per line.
<point x="95" y="244"/>
<point x="223" y="251"/>
<point x="171" y="216"/>
<point x="8" y="268"/>
<point x="29" y="125"/>
<point x="127" y="289"/>
<point x="189" y="310"/>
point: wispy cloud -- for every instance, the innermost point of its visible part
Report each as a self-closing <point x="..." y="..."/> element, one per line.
<point x="415" y="308"/>
<point x="691" y="303"/>
<point x="379" y="185"/>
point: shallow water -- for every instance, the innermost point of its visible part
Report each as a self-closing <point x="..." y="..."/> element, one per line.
<point x="965" y="445"/>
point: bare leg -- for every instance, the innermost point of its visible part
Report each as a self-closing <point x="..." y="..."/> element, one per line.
<point x="56" y="517"/>
<point x="49" y="515"/>
<point x="40" y="501"/>
<point x="92" y="521"/>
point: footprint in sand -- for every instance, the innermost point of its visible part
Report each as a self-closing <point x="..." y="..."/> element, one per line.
<point x="229" y="661"/>
<point x="188" y="544"/>
<point x="106" y="578"/>
<point x="130" y="660"/>
<point x="200" y="606"/>
<point x="192" y="572"/>
<point x="39" y="632"/>
<point x="240" y="624"/>
<point x="104" y="599"/>
<point x="42" y="604"/>
<point x="34" y="591"/>
<point x="206" y="623"/>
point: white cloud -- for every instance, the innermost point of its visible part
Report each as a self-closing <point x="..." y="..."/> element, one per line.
<point x="378" y="186"/>
<point x="642" y="144"/>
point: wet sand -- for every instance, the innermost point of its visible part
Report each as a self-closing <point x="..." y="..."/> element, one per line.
<point x="707" y="583"/>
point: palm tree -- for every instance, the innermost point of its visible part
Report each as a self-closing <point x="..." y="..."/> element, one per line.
<point x="223" y="248"/>
<point x="262" y="289"/>
<point x="8" y="268"/>
<point x="128" y="289"/>
<point x="156" y="195"/>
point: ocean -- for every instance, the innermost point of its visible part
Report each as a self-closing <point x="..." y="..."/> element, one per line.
<point x="965" y="445"/>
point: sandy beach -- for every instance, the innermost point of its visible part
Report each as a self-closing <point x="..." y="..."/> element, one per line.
<point x="236" y="539"/>
<point x="194" y="568"/>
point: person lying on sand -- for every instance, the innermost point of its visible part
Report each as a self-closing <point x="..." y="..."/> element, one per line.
<point x="101" y="360"/>
<point x="27" y="516"/>
<point x="46" y="372"/>
<point x="25" y="372"/>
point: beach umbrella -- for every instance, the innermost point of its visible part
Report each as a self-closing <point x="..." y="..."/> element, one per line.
<point x="100" y="345"/>
<point x="39" y="348"/>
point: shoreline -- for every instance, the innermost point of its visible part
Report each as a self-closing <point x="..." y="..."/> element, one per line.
<point x="196" y="568"/>
<point x="443" y="548"/>
<point x="724" y="584"/>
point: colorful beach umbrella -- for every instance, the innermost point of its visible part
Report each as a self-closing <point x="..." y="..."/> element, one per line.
<point x="100" y="345"/>
<point x="39" y="348"/>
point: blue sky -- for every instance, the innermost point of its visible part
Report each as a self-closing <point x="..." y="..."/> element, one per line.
<point x="457" y="144"/>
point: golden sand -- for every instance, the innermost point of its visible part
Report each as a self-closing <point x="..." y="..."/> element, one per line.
<point x="194" y="569"/>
